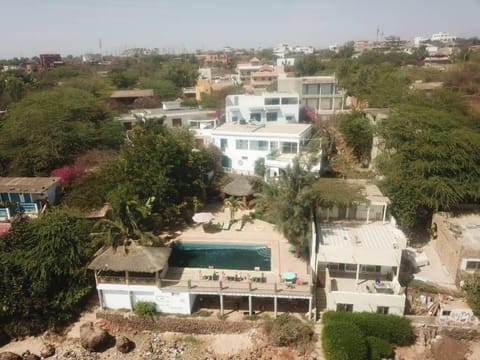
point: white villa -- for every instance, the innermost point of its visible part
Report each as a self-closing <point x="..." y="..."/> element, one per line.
<point x="261" y="127"/>
<point x="359" y="255"/>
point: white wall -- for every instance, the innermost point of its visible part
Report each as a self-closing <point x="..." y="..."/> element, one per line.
<point x="366" y="302"/>
<point x="120" y="296"/>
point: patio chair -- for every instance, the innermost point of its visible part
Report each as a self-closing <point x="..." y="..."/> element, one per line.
<point x="226" y="226"/>
<point x="239" y="226"/>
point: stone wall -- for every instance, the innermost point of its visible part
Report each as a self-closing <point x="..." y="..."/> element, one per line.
<point x="132" y="322"/>
<point x="425" y="333"/>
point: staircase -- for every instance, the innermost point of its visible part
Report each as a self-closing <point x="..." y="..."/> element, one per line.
<point x="320" y="300"/>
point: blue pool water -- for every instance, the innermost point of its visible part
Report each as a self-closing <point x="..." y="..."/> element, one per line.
<point x="221" y="256"/>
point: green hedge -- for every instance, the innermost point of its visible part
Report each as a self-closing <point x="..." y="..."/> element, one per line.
<point x="343" y="341"/>
<point x="379" y="349"/>
<point x="392" y="328"/>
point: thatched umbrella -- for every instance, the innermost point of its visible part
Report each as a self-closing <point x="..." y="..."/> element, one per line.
<point x="240" y="186"/>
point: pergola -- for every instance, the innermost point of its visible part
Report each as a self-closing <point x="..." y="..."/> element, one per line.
<point x="240" y="186"/>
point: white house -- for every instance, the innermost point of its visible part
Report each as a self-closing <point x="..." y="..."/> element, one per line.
<point x="261" y="127"/>
<point x="125" y="277"/>
<point x="318" y="92"/>
<point x="443" y="37"/>
<point x="359" y="256"/>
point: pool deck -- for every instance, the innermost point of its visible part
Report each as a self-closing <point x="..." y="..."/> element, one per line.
<point x="256" y="232"/>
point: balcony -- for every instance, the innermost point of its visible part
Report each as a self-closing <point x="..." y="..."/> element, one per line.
<point x="368" y="283"/>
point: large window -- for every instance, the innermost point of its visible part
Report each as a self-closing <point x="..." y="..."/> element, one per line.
<point x="382" y="310"/>
<point x="345" y="307"/>
<point x="289" y="101"/>
<point x="311" y="89"/>
<point x="326" y="89"/>
<point x="370" y="268"/>
<point x="256" y="116"/>
<point x="273" y="146"/>
<point x="289" y="147"/>
<point x="258" y="145"/>
<point x="272" y="116"/>
<point x="223" y="144"/>
<point x="241" y="144"/>
<point x="473" y="265"/>
<point x="272" y="101"/>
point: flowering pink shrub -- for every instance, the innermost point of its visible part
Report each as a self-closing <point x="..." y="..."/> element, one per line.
<point x="68" y="174"/>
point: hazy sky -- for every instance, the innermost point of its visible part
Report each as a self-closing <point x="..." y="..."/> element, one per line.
<point x="31" y="27"/>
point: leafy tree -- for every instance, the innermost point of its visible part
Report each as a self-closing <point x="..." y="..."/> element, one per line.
<point x="358" y="133"/>
<point x="472" y="287"/>
<point x="234" y="204"/>
<point x="431" y="162"/>
<point x="124" y="79"/>
<point x="308" y="65"/>
<point x="181" y="73"/>
<point x="44" y="276"/>
<point x="47" y="129"/>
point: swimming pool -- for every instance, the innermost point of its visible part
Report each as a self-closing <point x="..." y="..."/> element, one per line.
<point x="221" y="256"/>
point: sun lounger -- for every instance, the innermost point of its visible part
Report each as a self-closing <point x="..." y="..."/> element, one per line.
<point x="226" y="226"/>
<point x="239" y="226"/>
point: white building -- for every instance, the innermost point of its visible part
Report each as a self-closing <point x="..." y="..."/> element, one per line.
<point x="443" y="37"/>
<point x="318" y="92"/>
<point x="124" y="278"/>
<point x="261" y="127"/>
<point x="359" y="256"/>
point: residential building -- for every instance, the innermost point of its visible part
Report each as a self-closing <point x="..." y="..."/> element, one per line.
<point x="179" y="117"/>
<point x="318" y="92"/>
<point x="443" y="37"/>
<point x="285" y="61"/>
<point x="457" y="241"/>
<point x="90" y="58"/>
<point x="216" y="58"/>
<point x="128" y="97"/>
<point x="206" y="86"/>
<point x="265" y="76"/>
<point x="261" y="127"/>
<point x="244" y="70"/>
<point x="49" y="61"/>
<point x="27" y="194"/>
<point x="359" y="255"/>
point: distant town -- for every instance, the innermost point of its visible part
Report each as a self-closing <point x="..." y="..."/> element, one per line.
<point x="293" y="201"/>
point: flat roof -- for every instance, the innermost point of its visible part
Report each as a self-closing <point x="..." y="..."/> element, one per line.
<point x="132" y="93"/>
<point x="264" y="129"/>
<point x="360" y="243"/>
<point x="26" y="184"/>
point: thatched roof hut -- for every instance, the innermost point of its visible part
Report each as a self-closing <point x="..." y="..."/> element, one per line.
<point x="240" y="186"/>
<point x="143" y="259"/>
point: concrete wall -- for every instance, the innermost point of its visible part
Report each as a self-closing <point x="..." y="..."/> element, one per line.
<point x="366" y="302"/>
<point x="448" y="247"/>
<point x="120" y="296"/>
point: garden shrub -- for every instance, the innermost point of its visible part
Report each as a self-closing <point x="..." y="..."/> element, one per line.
<point x="145" y="308"/>
<point x="392" y="328"/>
<point x="343" y="341"/>
<point x="379" y="349"/>
<point x="287" y="330"/>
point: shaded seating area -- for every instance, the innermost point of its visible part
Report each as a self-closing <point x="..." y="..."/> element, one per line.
<point x="240" y="186"/>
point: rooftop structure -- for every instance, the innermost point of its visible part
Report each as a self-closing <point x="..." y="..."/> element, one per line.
<point x="359" y="255"/>
<point x="457" y="240"/>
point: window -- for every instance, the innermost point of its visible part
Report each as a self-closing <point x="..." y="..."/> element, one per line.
<point x="370" y="268"/>
<point x="382" y="310"/>
<point x="351" y="267"/>
<point x="289" y="118"/>
<point x="289" y="148"/>
<point x="289" y="101"/>
<point x="176" y="122"/>
<point x="223" y="144"/>
<point x="273" y="146"/>
<point x="272" y="116"/>
<point x="272" y="101"/>
<point x="259" y="145"/>
<point x="234" y="118"/>
<point x="326" y="89"/>
<point x="311" y="89"/>
<point x="256" y="116"/>
<point x="241" y="144"/>
<point x="345" y="307"/>
<point x="473" y="265"/>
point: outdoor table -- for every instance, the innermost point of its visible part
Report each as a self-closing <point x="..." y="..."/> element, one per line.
<point x="289" y="276"/>
<point x="208" y="273"/>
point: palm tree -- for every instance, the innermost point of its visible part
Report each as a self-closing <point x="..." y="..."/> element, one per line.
<point x="233" y="204"/>
<point x="120" y="227"/>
